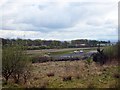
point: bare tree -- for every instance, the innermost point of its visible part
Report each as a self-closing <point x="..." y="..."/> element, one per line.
<point x="13" y="62"/>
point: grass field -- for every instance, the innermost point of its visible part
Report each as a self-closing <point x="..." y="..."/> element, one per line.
<point x="57" y="51"/>
<point x="82" y="75"/>
<point x="70" y="74"/>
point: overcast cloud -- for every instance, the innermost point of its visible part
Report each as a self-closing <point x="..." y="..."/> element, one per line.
<point x="59" y="19"/>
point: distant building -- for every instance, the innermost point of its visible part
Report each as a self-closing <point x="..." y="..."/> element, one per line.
<point x="102" y="44"/>
<point x="106" y="44"/>
<point x="77" y="45"/>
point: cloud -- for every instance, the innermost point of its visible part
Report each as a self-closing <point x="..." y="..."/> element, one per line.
<point x="54" y="17"/>
<point x="60" y="19"/>
<point x="20" y="34"/>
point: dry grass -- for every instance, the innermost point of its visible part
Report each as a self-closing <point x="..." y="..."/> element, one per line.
<point x="71" y="70"/>
<point x="67" y="78"/>
<point x="72" y="74"/>
<point x="50" y="74"/>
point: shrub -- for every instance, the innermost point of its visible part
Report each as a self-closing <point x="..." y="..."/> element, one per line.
<point x="50" y="74"/>
<point x="44" y="84"/>
<point x="116" y="75"/>
<point x="91" y="85"/>
<point x="111" y="52"/>
<point x="40" y="59"/>
<point x="67" y="78"/>
<point x="114" y="85"/>
<point x="89" y="61"/>
<point x="77" y="76"/>
<point x="15" y="62"/>
<point x="100" y="57"/>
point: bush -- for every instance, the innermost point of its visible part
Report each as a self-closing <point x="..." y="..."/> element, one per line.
<point x="67" y="78"/>
<point x="100" y="57"/>
<point x="91" y="86"/>
<point x="50" y="74"/>
<point x="14" y="63"/>
<point x="116" y="75"/>
<point x="89" y="61"/>
<point x="78" y="76"/>
<point x="115" y="85"/>
<point x="40" y="59"/>
<point x="37" y="47"/>
<point x="111" y="52"/>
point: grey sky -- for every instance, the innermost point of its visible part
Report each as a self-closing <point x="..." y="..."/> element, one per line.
<point x="59" y="19"/>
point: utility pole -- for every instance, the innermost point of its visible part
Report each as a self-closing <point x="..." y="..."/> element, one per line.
<point x="98" y="47"/>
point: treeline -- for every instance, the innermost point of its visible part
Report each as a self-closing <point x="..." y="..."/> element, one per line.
<point x="50" y="44"/>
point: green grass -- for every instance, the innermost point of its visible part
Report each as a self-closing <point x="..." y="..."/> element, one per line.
<point x="61" y="52"/>
<point x="56" y="51"/>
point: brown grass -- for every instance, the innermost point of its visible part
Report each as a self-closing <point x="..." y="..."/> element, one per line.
<point x="50" y="74"/>
<point x="78" y="73"/>
<point x="67" y="78"/>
